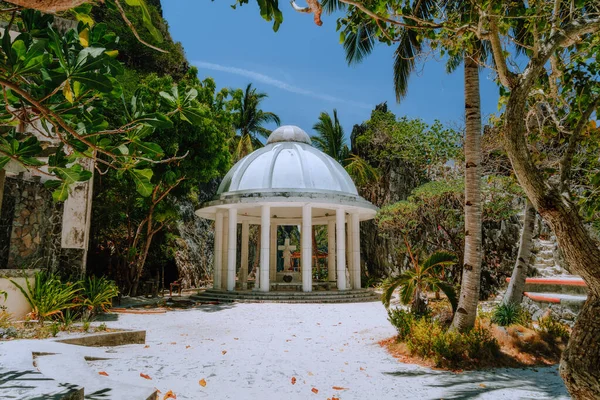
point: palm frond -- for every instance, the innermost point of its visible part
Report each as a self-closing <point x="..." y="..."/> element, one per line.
<point x="359" y="43"/>
<point x="331" y="6"/>
<point x="389" y="286"/>
<point x="450" y="293"/>
<point x="404" y="62"/>
<point x="439" y="258"/>
<point x="360" y="170"/>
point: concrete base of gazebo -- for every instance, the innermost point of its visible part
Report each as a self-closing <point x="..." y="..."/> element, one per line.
<point x="286" y="296"/>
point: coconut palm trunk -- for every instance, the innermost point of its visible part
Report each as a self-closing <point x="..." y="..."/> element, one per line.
<point x="464" y="318"/>
<point x="514" y="293"/>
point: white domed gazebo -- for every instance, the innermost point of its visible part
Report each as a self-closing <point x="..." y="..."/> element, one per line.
<point x="287" y="182"/>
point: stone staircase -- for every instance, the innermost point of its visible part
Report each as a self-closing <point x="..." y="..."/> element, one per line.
<point x="321" y="296"/>
<point x="553" y="288"/>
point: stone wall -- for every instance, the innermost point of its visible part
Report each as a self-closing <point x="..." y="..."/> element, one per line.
<point x="30" y="230"/>
<point x="28" y="219"/>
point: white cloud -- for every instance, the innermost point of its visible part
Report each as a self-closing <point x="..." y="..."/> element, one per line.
<point x="267" y="80"/>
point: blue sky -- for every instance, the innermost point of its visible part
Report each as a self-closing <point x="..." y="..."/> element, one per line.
<point x="302" y="67"/>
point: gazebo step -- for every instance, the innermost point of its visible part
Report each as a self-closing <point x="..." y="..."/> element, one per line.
<point x="289" y="297"/>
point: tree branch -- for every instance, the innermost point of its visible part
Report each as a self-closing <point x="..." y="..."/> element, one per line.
<point x="504" y="74"/>
<point x="567" y="160"/>
<point x="134" y="31"/>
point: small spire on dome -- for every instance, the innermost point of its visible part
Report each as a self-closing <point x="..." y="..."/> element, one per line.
<point x="289" y="133"/>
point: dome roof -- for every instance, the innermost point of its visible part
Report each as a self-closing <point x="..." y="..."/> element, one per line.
<point x="288" y="163"/>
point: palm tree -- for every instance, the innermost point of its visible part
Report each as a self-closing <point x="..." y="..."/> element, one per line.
<point x="331" y="140"/>
<point x="359" y="41"/>
<point x="423" y="277"/>
<point x="249" y="120"/>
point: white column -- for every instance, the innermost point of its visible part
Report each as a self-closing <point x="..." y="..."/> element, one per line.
<point x="356" y="284"/>
<point x="340" y="222"/>
<point x="225" y="253"/>
<point x="273" y="253"/>
<point x="306" y="248"/>
<point x="331" y="250"/>
<point x="265" y="222"/>
<point x="244" y="255"/>
<point x="218" y="255"/>
<point x="232" y="249"/>
<point x="350" y="251"/>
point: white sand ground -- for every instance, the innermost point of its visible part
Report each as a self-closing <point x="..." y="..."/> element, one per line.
<point x="252" y="351"/>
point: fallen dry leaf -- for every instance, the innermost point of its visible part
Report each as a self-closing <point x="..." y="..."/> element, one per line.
<point x="103" y="373"/>
<point x="310" y="373"/>
<point x="314" y="390"/>
<point x="224" y="352"/>
<point x="482" y="385"/>
<point x="145" y="376"/>
<point x="339" y="388"/>
<point x="170" y="395"/>
<point x="362" y="369"/>
<point x="235" y="338"/>
<point x="188" y="346"/>
<point x="146" y="346"/>
<point x="202" y="382"/>
<point x="293" y="380"/>
<point x="173" y="342"/>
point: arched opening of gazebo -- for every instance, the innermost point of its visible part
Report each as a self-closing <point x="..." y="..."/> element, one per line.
<point x="287" y="183"/>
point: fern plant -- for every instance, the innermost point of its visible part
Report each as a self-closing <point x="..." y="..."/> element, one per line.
<point x="48" y="296"/>
<point x="423" y="277"/>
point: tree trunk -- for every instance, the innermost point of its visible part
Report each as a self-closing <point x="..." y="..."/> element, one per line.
<point x="514" y="293"/>
<point x="580" y="361"/>
<point x="580" y="364"/>
<point x="464" y="318"/>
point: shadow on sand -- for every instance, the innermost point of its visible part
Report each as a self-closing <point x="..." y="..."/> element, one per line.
<point x="468" y="385"/>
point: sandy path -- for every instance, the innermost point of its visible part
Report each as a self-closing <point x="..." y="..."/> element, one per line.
<point x="252" y="351"/>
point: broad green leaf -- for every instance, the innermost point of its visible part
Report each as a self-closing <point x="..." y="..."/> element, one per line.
<point x="3" y="161"/>
<point x="142" y="178"/>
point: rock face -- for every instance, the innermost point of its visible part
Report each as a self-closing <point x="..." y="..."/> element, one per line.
<point x="398" y="180"/>
<point x="194" y="253"/>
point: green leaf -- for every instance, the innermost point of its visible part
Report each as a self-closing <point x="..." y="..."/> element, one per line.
<point x="95" y="81"/>
<point x="3" y="161"/>
<point x="142" y="178"/>
<point x="156" y="120"/>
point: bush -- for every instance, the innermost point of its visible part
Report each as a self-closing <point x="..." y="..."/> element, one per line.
<point x="98" y="294"/>
<point x="430" y="339"/>
<point x="550" y="330"/>
<point x="48" y="296"/>
<point x="402" y="321"/>
<point x="510" y="314"/>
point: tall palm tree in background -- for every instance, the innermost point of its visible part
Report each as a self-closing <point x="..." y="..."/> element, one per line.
<point x="249" y="121"/>
<point x="358" y="42"/>
<point x="330" y="139"/>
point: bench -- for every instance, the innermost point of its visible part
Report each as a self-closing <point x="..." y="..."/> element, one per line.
<point x="175" y="285"/>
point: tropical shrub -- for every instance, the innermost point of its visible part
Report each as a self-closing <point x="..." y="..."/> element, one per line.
<point x="550" y="330"/>
<point x="98" y="294"/>
<point x="430" y="339"/>
<point x="425" y="276"/>
<point x="48" y="296"/>
<point x="510" y="314"/>
<point x="402" y="321"/>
